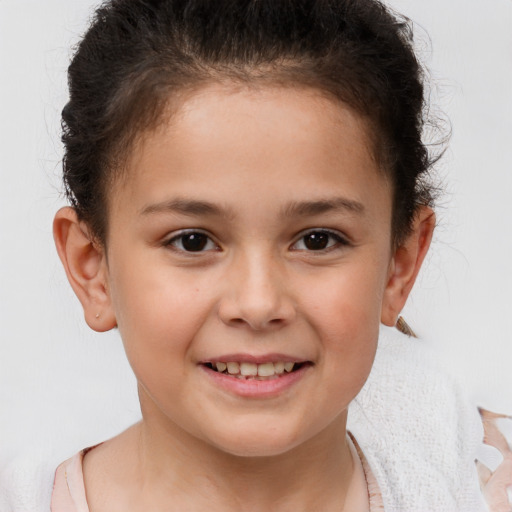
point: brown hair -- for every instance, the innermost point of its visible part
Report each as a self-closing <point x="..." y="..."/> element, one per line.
<point x="139" y="53"/>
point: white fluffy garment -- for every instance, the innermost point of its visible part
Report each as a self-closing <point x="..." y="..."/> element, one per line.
<point x="418" y="430"/>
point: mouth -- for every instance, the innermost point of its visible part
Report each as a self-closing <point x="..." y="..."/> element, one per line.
<point x="256" y="371"/>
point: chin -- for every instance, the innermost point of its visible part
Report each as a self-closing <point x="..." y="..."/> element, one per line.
<point x="256" y="442"/>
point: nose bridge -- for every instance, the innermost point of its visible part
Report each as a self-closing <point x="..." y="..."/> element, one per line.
<point x="257" y="293"/>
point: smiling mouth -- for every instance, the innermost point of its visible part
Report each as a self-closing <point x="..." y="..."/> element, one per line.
<point x="253" y="371"/>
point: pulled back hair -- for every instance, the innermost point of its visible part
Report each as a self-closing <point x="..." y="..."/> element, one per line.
<point x="138" y="54"/>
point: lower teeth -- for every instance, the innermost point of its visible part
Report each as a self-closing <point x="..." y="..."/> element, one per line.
<point x="253" y="377"/>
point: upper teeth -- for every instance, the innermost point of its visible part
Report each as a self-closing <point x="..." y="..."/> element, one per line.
<point x="253" y="369"/>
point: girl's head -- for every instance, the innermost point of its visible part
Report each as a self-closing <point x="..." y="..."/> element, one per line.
<point x="247" y="188"/>
<point x="140" y="59"/>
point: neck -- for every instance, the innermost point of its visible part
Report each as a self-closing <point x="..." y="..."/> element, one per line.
<point x="176" y="466"/>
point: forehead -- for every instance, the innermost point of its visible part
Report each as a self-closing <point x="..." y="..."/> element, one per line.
<point x="222" y="140"/>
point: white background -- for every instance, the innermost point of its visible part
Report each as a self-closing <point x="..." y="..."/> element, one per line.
<point x="60" y="381"/>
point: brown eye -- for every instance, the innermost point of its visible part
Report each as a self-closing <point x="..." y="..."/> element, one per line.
<point x="192" y="242"/>
<point x="319" y="240"/>
<point x="316" y="241"/>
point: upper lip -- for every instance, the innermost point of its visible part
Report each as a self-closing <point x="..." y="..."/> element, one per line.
<point x="255" y="359"/>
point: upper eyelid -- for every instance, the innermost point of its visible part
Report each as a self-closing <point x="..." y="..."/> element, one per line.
<point x="186" y="231"/>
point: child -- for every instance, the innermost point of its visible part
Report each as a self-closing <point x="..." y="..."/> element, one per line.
<point x="249" y="203"/>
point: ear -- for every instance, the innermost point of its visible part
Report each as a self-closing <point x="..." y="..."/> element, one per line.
<point x="405" y="265"/>
<point x="86" y="268"/>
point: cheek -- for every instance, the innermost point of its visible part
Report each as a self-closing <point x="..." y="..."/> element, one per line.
<point x="158" y="312"/>
<point x="159" y="323"/>
<point x="346" y="316"/>
<point x="346" y="301"/>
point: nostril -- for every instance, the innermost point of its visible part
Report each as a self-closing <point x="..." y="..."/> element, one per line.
<point x="256" y="324"/>
<point x="237" y="321"/>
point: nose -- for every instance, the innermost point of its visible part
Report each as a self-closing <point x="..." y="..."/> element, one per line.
<point x="256" y="294"/>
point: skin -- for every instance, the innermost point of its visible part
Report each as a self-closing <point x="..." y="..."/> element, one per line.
<point x="273" y="165"/>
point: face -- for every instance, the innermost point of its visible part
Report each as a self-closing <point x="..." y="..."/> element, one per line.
<point x="248" y="254"/>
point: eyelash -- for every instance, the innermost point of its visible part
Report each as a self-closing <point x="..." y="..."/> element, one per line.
<point x="339" y="240"/>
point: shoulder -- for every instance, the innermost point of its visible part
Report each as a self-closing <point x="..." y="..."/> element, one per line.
<point x="109" y="472"/>
<point x="418" y="430"/>
<point x="68" y="488"/>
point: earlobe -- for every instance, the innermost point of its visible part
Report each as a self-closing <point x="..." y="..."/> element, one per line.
<point x="85" y="265"/>
<point x="405" y="265"/>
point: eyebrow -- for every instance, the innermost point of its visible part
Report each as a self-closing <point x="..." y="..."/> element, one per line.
<point x="185" y="207"/>
<point x="311" y="208"/>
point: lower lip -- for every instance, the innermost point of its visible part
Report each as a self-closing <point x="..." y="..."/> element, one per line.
<point x="253" y="388"/>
